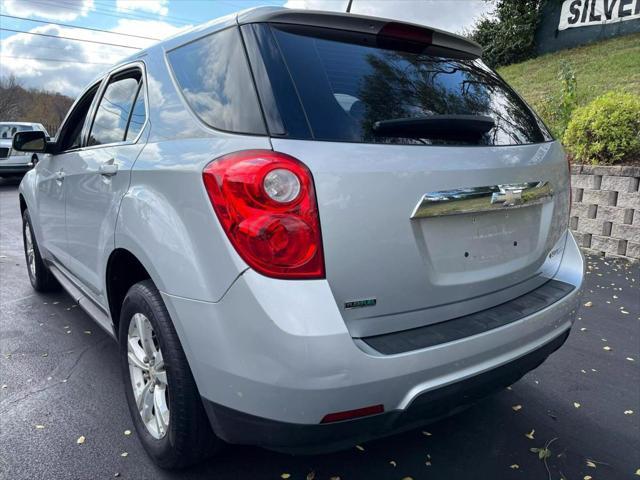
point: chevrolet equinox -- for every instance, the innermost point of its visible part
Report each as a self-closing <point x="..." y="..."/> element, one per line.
<point x="305" y="229"/>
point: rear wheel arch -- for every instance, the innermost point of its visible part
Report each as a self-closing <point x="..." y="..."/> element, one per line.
<point x="123" y="271"/>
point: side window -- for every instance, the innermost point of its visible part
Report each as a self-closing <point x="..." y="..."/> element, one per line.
<point x="138" y="114"/>
<point x="214" y="77"/>
<point x="70" y="136"/>
<point x="112" y="114"/>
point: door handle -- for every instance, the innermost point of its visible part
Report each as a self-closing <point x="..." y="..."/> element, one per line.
<point x="108" y="168"/>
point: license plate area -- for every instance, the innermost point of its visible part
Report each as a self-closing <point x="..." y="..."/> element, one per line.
<point x="485" y="242"/>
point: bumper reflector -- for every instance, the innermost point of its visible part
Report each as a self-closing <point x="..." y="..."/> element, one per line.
<point x="349" y="414"/>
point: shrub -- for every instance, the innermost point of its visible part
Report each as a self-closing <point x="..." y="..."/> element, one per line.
<point x="605" y="131"/>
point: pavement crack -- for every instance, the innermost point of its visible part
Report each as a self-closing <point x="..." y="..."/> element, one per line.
<point x="7" y="404"/>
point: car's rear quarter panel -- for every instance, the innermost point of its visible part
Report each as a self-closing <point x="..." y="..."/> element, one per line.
<point x="166" y="219"/>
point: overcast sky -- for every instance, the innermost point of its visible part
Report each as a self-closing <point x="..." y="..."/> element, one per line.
<point x="39" y="61"/>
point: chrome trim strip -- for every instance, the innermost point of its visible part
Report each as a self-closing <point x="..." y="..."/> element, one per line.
<point x="482" y="199"/>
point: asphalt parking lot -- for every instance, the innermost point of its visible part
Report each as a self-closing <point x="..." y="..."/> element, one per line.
<point x="60" y="380"/>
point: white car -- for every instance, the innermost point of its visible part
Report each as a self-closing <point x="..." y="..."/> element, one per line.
<point x="11" y="161"/>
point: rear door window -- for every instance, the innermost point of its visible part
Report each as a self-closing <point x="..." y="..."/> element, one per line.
<point x="112" y="115"/>
<point x="347" y="82"/>
<point x="216" y="82"/>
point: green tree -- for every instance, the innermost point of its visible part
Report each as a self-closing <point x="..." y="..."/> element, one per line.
<point x="508" y="35"/>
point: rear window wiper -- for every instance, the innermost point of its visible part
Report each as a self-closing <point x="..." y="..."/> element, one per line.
<point x="444" y="127"/>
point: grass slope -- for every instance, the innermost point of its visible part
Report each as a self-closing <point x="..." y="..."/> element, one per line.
<point x="612" y="64"/>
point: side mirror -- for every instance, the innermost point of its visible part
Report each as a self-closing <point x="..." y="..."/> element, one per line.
<point x="30" y="141"/>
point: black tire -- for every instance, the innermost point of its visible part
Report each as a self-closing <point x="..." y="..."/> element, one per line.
<point x="189" y="438"/>
<point x="41" y="278"/>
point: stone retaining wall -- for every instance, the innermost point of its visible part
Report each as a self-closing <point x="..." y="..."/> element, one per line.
<point x="605" y="215"/>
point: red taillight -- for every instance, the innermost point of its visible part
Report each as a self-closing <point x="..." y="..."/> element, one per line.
<point x="278" y="238"/>
<point x="402" y="31"/>
<point x="349" y="414"/>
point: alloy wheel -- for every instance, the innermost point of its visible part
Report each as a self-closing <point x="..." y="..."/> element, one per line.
<point x="148" y="376"/>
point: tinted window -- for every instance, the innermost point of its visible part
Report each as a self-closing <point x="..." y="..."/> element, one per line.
<point x="70" y="136"/>
<point x="215" y="80"/>
<point x="112" y="115"/>
<point x="138" y="114"/>
<point x="347" y="82"/>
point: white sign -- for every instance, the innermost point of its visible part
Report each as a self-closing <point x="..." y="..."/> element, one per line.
<point x="583" y="13"/>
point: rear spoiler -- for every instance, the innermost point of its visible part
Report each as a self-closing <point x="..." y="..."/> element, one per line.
<point x="363" y="24"/>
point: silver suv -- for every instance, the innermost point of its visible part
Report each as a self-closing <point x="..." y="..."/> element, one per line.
<point x="305" y="230"/>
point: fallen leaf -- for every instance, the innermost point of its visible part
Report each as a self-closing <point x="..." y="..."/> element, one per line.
<point x="4" y="385"/>
<point x="39" y="427"/>
<point x="360" y="447"/>
<point x="631" y="359"/>
<point x="393" y="464"/>
<point x="624" y="311"/>
<point x="515" y="466"/>
<point x="588" y="304"/>
<point x="426" y="434"/>
<point x="124" y="454"/>
<point x="285" y="475"/>
<point x="530" y="434"/>
<point x="587" y="477"/>
<point x="576" y="404"/>
<point x="638" y="472"/>
<point x="80" y="440"/>
<point x="311" y="475"/>
<point x="335" y="478"/>
<point x="583" y="329"/>
<point x="45" y="354"/>
<point x="544" y="453"/>
<point x="607" y="348"/>
<point x="407" y="478"/>
<point x="87" y="332"/>
<point x="591" y="464"/>
<point x="127" y="432"/>
<point x="628" y="412"/>
<point x="427" y="463"/>
<point x="117" y="474"/>
<point x="516" y="408"/>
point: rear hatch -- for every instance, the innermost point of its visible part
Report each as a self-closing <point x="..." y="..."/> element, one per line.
<point x="420" y="222"/>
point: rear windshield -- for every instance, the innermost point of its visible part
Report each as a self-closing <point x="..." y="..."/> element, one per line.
<point x="347" y="82"/>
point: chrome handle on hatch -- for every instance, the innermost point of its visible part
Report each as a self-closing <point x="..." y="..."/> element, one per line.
<point x="481" y="199"/>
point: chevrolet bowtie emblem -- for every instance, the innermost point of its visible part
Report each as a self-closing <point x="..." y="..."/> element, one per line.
<point x="507" y="197"/>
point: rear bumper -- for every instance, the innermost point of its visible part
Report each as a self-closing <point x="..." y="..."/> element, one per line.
<point x="241" y="428"/>
<point x="273" y="357"/>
